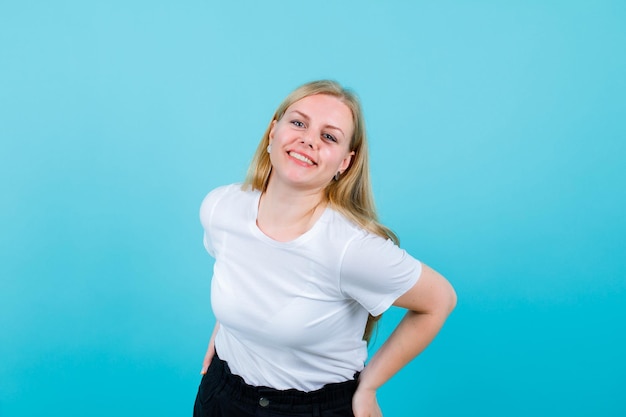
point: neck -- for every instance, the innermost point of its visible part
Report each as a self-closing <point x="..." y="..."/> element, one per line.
<point x="284" y="214"/>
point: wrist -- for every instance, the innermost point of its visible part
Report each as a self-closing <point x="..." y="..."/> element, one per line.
<point x="365" y="385"/>
<point x="366" y="382"/>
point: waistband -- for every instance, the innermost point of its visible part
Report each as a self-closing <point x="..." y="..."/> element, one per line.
<point x="329" y="396"/>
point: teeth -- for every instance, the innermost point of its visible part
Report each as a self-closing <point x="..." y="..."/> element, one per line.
<point x="301" y="158"/>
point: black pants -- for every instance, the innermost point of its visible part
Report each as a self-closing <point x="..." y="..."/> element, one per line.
<point x="222" y="394"/>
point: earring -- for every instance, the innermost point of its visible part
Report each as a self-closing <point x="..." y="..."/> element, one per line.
<point x="336" y="177"/>
<point x="269" y="148"/>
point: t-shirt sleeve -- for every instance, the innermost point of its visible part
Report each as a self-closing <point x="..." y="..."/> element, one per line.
<point x="375" y="272"/>
<point x="206" y="215"/>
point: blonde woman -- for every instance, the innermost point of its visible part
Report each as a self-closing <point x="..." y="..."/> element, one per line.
<point x="303" y="269"/>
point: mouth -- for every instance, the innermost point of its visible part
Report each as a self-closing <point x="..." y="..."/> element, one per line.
<point x="301" y="157"/>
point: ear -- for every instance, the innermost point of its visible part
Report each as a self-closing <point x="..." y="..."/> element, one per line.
<point x="345" y="162"/>
<point x="272" y="128"/>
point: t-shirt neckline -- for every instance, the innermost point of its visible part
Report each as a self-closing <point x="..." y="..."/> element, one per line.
<point x="259" y="234"/>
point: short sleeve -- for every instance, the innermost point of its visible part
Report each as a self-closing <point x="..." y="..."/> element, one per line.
<point x="206" y="215"/>
<point x="375" y="272"/>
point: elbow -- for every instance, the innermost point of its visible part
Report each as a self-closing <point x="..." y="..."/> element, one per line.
<point x="452" y="299"/>
<point x="448" y="299"/>
<point x="445" y="301"/>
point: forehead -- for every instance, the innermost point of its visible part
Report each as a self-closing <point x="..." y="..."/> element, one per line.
<point x="324" y="108"/>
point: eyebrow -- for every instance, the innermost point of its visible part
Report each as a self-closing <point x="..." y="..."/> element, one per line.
<point x="327" y="126"/>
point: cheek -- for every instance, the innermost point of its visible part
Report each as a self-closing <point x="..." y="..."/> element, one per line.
<point x="338" y="160"/>
<point x="331" y="158"/>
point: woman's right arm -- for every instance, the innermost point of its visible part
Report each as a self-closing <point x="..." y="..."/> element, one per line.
<point x="210" y="352"/>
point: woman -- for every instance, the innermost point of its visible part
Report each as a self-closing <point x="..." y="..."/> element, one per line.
<point x="303" y="269"/>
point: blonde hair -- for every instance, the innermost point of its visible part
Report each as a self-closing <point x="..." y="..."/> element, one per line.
<point x="351" y="194"/>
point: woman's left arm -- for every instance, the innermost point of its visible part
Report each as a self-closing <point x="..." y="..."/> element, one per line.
<point x="429" y="302"/>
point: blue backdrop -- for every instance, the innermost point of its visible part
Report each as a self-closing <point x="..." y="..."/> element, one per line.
<point x="498" y="140"/>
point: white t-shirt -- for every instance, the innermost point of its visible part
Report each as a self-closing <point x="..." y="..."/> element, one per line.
<point x="292" y="314"/>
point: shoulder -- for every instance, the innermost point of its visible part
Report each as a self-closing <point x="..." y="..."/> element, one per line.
<point x="364" y="252"/>
<point x="341" y="228"/>
<point x="231" y="193"/>
<point x="375" y="271"/>
<point x="223" y="189"/>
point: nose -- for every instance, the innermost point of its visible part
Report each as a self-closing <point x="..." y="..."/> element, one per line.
<point x="309" y="139"/>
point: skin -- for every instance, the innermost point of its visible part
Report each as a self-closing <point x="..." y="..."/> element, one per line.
<point x="310" y="144"/>
<point x="316" y="128"/>
<point x="429" y="302"/>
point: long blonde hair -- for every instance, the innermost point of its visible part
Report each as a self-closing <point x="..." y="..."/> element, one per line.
<point x="351" y="194"/>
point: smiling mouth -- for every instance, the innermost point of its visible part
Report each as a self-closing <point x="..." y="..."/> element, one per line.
<point x="302" y="158"/>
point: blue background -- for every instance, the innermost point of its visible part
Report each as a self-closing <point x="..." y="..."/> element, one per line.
<point x="498" y="139"/>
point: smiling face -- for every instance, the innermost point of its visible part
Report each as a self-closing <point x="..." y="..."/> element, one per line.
<point x="311" y="142"/>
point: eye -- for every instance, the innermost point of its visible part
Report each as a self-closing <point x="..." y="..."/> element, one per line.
<point x="297" y="123"/>
<point x="329" y="137"/>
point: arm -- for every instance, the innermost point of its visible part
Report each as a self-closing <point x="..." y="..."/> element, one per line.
<point x="210" y="352"/>
<point x="429" y="302"/>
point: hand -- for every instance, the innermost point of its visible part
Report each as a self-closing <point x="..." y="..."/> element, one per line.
<point x="364" y="403"/>
<point x="210" y="352"/>
<point x="208" y="357"/>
